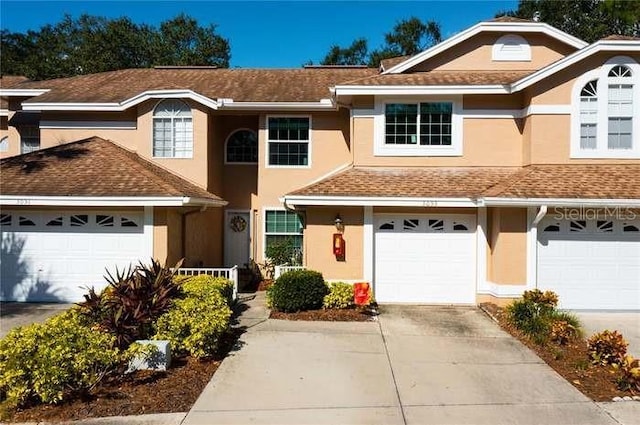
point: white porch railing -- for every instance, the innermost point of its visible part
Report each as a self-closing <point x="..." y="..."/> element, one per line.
<point x="230" y="273"/>
<point x="279" y="270"/>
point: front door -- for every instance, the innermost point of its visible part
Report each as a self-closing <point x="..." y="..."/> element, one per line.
<point x="237" y="238"/>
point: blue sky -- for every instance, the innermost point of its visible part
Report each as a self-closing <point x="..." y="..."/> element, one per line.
<point x="268" y="33"/>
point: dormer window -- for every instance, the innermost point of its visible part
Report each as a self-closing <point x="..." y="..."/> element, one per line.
<point x="172" y="130"/>
<point x="604" y="123"/>
<point x="511" y="48"/>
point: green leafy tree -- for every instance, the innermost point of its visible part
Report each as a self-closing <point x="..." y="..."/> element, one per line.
<point x="408" y="37"/>
<point x="90" y="44"/>
<point x="589" y="20"/>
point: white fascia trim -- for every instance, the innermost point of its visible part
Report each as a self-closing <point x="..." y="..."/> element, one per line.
<point x="110" y="125"/>
<point x="4" y="112"/>
<point x="560" y="202"/>
<point x="105" y="201"/>
<point x="598" y="46"/>
<point x="502" y="291"/>
<point x="421" y="90"/>
<point x="23" y="92"/>
<point x="323" y="104"/>
<point x="379" y="201"/>
<point x="505" y="27"/>
<point x="125" y="104"/>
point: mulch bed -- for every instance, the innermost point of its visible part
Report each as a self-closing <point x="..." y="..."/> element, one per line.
<point x="570" y="361"/>
<point x="330" y="315"/>
<point x="141" y="392"/>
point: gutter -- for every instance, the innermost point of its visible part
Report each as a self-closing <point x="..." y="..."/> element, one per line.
<point x="108" y="201"/>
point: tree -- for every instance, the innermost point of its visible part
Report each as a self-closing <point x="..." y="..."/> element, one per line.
<point x="408" y="37"/>
<point x="589" y="20"/>
<point x="91" y="44"/>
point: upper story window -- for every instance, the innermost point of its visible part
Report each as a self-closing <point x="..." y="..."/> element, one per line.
<point x="288" y="141"/>
<point x="604" y="124"/>
<point x="172" y="130"/>
<point x="242" y="147"/>
<point x="29" y="138"/>
<point x="424" y="128"/>
<point x="511" y="48"/>
<point x="4" y="144"/>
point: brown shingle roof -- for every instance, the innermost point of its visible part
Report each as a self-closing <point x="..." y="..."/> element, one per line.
<point x="255" y="85"/>
<point x="462" y="182"/>
<point x="391" y="62"/>
<point x="9" y="81"/>
<point x="571" y="182"/>
<point x="618" y="37"/>
<point x="534" y="181"/>
<point x="442" y="78"/>
<point x="91" y="167"/>
<point x="509" y="19"/>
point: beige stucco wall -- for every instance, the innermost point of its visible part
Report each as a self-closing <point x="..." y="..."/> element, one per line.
<point x="507" y="237"/>
<point x="475" y="54"/>
<point x="328" y="151"/>
<point x="318" y="239"/>
<point x="486" y="142"/>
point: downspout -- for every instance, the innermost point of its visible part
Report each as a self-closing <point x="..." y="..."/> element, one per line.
<point x="541" y="213"/>
<point x="183" y="225"/>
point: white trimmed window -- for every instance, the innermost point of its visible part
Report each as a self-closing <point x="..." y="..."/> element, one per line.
<point x="511" y="48"/>
<point x="604" y="124"/>
<point x="281" y="225"/>
<point x="421" y="128"/>
<point x="172" y="130"/>
<point x="29" y="138"/>
<point x="288" y="141"/>
<point x="4" y="144"/>
<point x="242" y="147"/>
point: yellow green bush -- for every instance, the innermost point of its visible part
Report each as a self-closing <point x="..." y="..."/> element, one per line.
<point x="629" y="378"/>
<point x="50" y="361"/>
<point x="195" y="323"/>
<point x="340" y="296"/>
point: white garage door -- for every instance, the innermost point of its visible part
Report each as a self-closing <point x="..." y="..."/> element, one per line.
<point x="425" y="259"/>
<point x="591" y="264"/>
<point x="52" y="256"/>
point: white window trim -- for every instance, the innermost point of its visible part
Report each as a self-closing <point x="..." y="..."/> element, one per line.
<point x="226" y="142"/>
<point x="268" y="141"/>
<point x="264" y="230"/>
<point x="23" y="139"/>
<point x="523" y="55"/>
<point x="601" y="74"/>
<point x="4" y="144"/>
<point x="153" y="119"/>
<point x="382" y="149"/>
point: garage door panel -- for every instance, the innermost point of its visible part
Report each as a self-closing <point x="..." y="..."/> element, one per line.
<point x="56" y="263"/>
<point x="421" y="259"/>
<point x="590" y="269"/>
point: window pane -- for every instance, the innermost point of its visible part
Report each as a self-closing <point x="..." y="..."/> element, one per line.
<point x="401" y="124"/>
<point x="288" y="128"/>
<point x="620" y="130"/>
<point x="435" y="123"/>
<point x="289" y="153"/>
<point x="242" y="146"/>
<point x="588" y="136"/>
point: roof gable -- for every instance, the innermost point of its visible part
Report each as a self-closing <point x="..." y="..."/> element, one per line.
<point x="496" y="26"/>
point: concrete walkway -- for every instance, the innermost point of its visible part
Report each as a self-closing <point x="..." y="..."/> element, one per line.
<point x="13" y="314"/>
<point x="416" y="365"/>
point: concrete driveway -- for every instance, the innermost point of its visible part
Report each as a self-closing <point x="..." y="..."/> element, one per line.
<point x="628" y="324"/>
<point x="13" y="315"/>
<point x="416" y="365"/>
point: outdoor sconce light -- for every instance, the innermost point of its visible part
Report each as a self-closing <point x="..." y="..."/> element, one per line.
<point x="339" y="224"/>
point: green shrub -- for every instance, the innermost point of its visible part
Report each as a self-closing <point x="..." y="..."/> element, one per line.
<point x="536" y="315"/>
<point x="195" y="323"/>
<point x="191" y="285"/>
<point x="607" y="347"/>
<point x="340" y="296"/>
<point x="629" y="369"/>
<point x="49" y="362"/>
<point x="134" y="299"/>
<point x="297" y="290"/>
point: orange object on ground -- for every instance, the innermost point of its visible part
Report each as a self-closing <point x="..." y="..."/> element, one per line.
<point x="361" y="293"/>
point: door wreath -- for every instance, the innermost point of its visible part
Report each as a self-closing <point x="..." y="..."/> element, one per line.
<point x="238" y="224"/>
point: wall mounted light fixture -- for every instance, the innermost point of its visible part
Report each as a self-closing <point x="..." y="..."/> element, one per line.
<point x="339" y="224"/>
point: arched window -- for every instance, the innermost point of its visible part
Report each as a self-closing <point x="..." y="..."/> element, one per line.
<point x="242" y="147"/>
<point x="172" y="130"/>
<point x="511" y="48"/>
<point x="604" y="125"/>
<point x="4" y="144"/>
